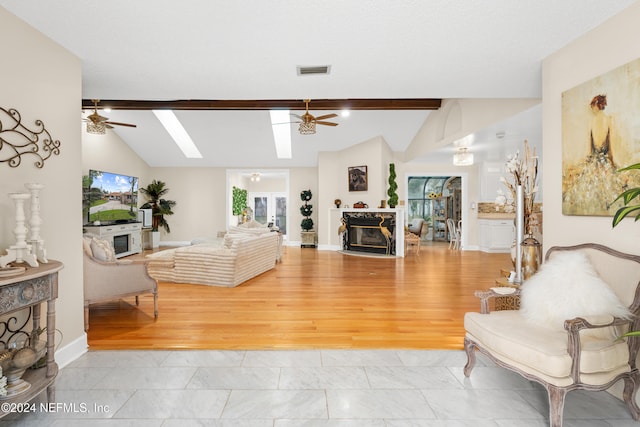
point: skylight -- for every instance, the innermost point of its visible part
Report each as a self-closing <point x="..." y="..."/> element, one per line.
<point x="280" y="123"/>
<point x="178" y="133"/>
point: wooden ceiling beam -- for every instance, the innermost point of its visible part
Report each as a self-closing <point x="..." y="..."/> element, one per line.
<point x="285" y="104"/>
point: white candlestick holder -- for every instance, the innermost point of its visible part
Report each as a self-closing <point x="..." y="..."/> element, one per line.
<point x="36" y="242"/>
<point x="21" y="251"/>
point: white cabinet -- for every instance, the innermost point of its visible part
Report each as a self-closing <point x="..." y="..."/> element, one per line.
<point x="496" y="235"/>
<point x="126" y="238"/>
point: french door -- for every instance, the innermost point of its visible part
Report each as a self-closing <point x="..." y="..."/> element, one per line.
<point x="269" y="207"/>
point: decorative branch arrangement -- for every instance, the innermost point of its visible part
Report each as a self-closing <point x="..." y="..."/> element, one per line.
<point x="524" y="172"/>
<point x="17" y="140"/>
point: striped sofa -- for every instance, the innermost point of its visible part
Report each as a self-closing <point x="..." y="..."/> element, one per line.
<point x="239" y="257"/>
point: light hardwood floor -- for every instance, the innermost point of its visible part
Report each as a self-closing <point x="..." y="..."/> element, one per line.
<point x="312" y="299"/>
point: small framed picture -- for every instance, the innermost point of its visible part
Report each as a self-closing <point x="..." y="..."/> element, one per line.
<point x="358" y="178"/>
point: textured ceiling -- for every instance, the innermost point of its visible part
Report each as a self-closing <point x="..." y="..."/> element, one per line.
<point x="201" y="49"/>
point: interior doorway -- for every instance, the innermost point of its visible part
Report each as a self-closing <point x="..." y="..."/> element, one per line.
<point x="269" y="208"/>
<point x="435" y="199"/>
<point x="267" y="195"/>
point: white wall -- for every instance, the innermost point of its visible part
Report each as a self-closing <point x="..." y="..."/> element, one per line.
<point x="43" y="82"/>
<point x="599" y="51"/>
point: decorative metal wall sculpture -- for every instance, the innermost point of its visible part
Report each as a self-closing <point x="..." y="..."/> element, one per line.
<point x="17" y="140"/>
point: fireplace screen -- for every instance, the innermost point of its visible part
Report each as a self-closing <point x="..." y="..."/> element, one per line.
<point x="121" y="243"/>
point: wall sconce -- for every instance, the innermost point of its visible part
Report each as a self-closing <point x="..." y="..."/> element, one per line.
<point x="462" y="157"/>
<point x="255" y="177"/>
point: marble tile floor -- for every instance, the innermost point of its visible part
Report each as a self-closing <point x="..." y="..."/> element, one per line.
<point x="315" y="388"/>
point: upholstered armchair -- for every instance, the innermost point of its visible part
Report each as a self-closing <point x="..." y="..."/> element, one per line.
<point x="106" y="278"/>
<point x="583" y="351"/>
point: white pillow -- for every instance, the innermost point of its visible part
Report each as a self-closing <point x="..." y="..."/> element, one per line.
<point x="565" y="287"/>
<point x="102" y="250"/>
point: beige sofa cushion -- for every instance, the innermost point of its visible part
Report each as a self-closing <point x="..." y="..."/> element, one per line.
<point x="544" y="350"/>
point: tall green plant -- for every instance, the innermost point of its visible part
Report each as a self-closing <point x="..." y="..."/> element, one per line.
<point x="627" y="197"/>
<point x="159" y="206"/>
<point x="391" y="192"/>
<point x="238" y="200"/>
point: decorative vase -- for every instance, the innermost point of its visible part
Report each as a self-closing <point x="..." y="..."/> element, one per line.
<point x="531" y="256"/>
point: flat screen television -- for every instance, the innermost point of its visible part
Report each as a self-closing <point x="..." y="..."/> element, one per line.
<point x="109" y="197"/>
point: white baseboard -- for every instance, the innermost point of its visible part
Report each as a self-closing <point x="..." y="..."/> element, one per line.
<point x="329" y="247"/>
<point x="72" y="351"/>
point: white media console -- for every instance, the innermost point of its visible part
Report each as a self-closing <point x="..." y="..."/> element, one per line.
<point x="126" y="238"/>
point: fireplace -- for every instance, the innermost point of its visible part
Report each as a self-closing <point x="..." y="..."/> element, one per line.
<point x="364" y="232"/>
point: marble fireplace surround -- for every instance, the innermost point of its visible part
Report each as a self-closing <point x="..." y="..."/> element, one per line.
<point x="393" y="216"/>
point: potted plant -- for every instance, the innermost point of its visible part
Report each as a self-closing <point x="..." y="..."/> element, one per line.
<point x="627" y="197"/>
<point x="239" y="203"/>
<point x="308" y="235"/>
<point x="159" y="206"/>
<point x="391" y="192"/>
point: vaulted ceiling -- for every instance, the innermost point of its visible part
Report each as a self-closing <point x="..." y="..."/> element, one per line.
<point x="159" y="50"/>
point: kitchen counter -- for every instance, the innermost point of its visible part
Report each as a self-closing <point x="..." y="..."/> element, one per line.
<point x="496" y="215"/>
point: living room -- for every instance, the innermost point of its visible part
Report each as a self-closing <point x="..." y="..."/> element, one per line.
<point x="54" y="97"/>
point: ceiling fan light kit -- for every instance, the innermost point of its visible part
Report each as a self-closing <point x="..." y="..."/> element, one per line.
<point x="97" y="124"/>
<point x="308" y="122"/>
<point x="462" y="157"/>
<point x="96" y="128"/>
<point x="308" y="128"/>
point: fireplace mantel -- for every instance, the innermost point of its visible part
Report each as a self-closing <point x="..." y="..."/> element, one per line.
<point x="397" y="213"/>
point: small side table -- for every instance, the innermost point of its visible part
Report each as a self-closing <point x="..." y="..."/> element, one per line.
<point x="507" y="302"/>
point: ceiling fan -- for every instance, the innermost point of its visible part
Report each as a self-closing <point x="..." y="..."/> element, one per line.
<point x="97" y="123"/>
<point x="308" y="122"/>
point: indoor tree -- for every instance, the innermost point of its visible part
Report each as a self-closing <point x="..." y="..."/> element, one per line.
<point x="391" y="192"/>
<point x="159" y="206"/>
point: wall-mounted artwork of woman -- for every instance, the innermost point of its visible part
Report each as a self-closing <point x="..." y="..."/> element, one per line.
<point x="600" y="134"/>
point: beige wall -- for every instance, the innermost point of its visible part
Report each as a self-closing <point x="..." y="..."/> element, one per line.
<point x="200" y="197"/>
<point x="109" y="153"/>
<point x="43" y="81"/>
<point x="606" y="47"/>
<point x="333" y="179"/>
<point x="302" y="179"/>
